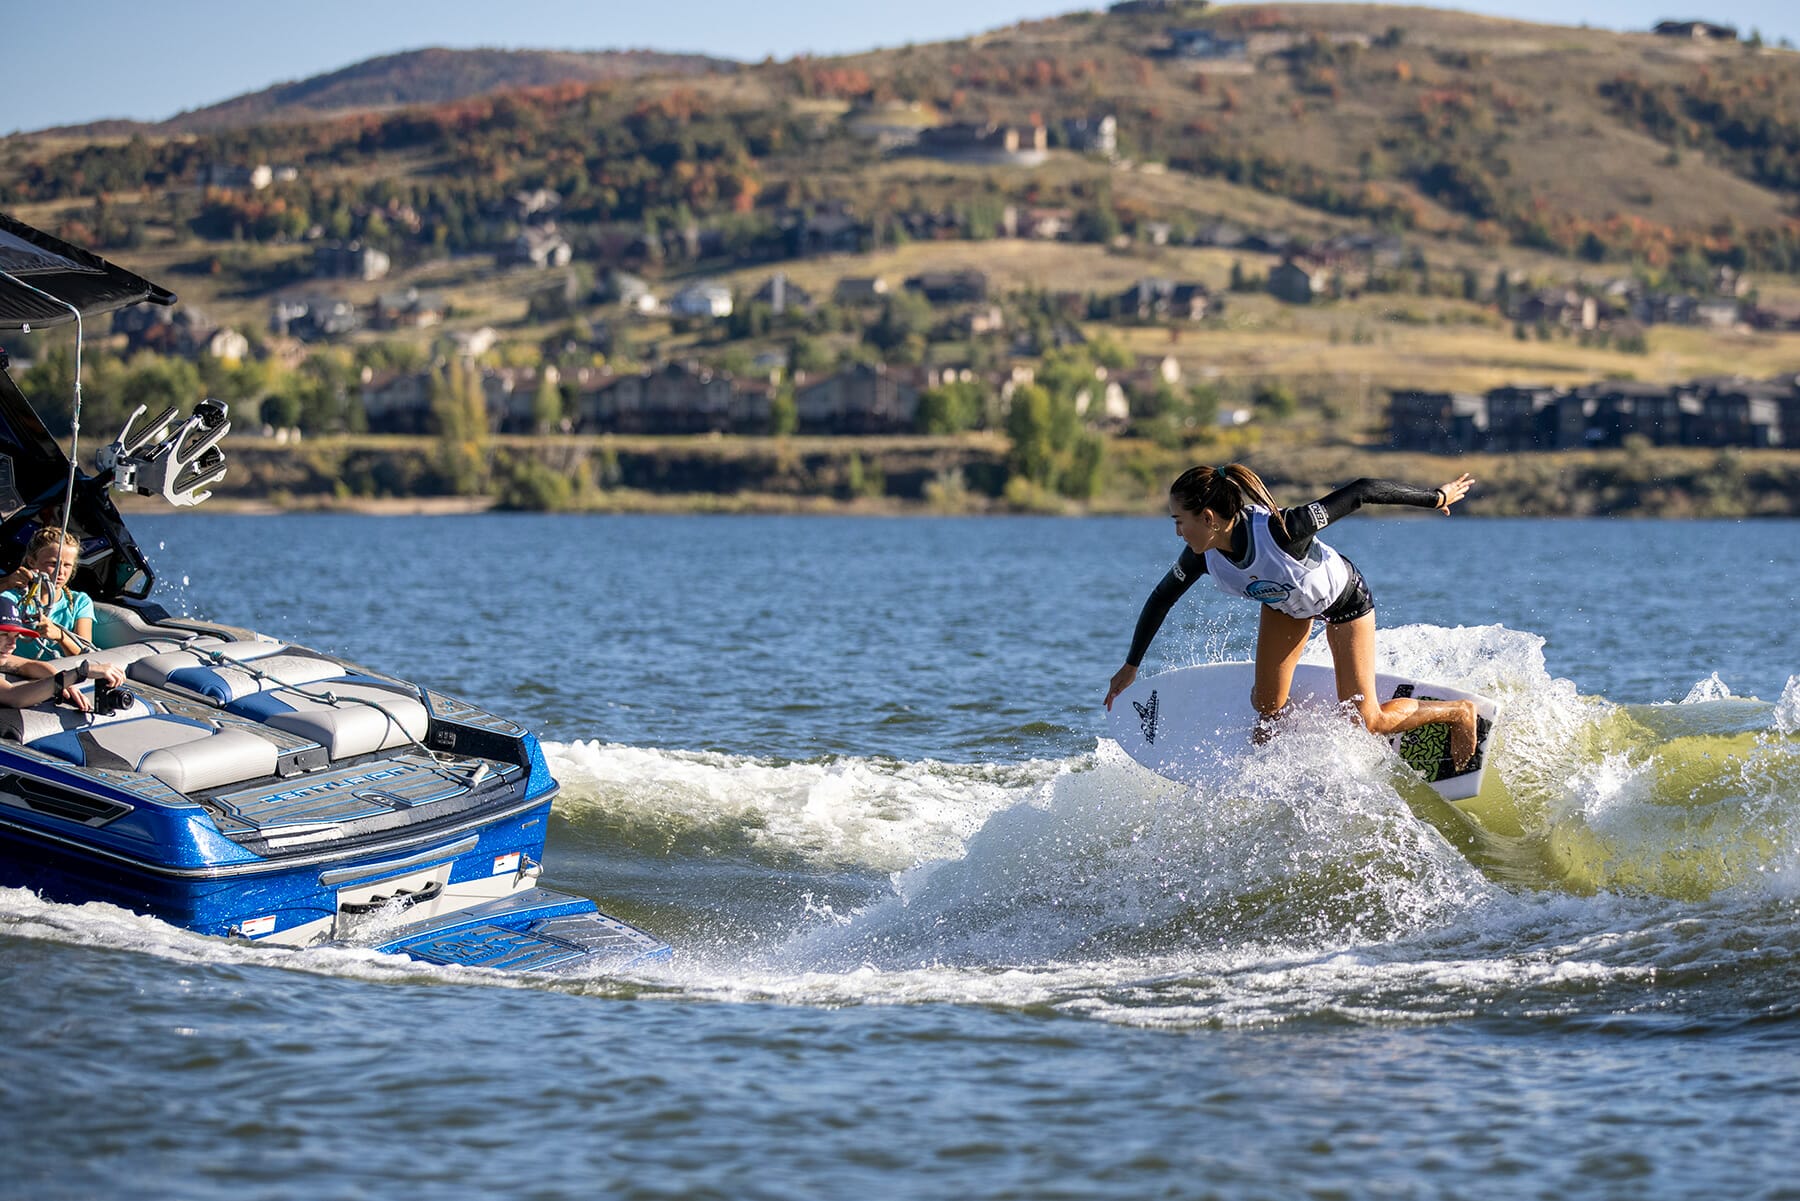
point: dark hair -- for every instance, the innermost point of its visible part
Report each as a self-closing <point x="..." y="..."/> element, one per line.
<point x="1226" y="490"/>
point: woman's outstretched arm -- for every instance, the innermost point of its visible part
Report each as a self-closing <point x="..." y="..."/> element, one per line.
<point x="1188" y="568"/>
<point x="1306" y="520"/>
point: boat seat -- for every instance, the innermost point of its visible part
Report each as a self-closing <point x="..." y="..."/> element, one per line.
<point x="186" y="753"/>
<point x="46" y="720"/>
<point x="228" y="670"/>
<point x="127" y="653"/>
<point x="347" y="715"/>
<point x="117" y="625"/>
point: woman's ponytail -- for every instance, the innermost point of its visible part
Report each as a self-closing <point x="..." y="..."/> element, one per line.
<point x="1226" y="491"/>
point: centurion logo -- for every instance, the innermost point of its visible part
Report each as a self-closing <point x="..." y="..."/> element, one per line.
<point x="324" y="786"/>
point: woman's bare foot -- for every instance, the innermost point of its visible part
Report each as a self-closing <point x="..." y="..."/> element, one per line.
<point x="1462" y="734"/>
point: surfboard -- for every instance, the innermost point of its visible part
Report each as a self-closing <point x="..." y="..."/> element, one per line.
<point x="1182" y="723"/>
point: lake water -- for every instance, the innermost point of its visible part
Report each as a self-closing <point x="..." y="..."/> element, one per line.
<point x="935" y="937"/>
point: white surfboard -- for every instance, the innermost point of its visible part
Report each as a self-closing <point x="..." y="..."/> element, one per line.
<point x="1180" y="723"/>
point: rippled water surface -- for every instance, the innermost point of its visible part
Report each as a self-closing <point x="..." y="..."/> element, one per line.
<point x="936" y="936"/>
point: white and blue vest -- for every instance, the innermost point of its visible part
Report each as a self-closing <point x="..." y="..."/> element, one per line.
<point x="1298" y="587"/>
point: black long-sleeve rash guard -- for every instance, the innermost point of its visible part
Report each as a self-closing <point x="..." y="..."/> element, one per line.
<point x="1302" y="523"/>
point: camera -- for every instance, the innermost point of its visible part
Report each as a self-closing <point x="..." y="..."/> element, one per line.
<point x="110" y="698"/>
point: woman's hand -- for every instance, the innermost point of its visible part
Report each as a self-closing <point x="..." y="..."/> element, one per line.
<point x="1121" y="680"/>
<point x="1454" y="491"/>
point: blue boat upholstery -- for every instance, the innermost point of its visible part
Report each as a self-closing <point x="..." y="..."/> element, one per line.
<point x="207" y="666"/>
<point x="348" y="715"/>
<point x="224" y="683"/>
<point x="186" y="753"/>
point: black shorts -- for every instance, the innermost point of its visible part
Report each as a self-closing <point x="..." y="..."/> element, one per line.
<point x="1353" y="602"/>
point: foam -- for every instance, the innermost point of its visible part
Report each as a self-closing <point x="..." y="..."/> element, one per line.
<point x="885" y="815"/>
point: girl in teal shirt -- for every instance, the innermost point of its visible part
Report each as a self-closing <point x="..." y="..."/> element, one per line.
<point x="65" y="620"/>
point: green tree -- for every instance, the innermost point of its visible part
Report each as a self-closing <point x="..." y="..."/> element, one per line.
<point x="546" y="405"/>
<point x="951" y="408"/>
<point x="784" y="412"/>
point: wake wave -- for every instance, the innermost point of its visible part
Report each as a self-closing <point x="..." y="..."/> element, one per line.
<point x="1612" y="844"/>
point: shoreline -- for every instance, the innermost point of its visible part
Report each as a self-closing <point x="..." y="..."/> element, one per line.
<point x="956" y="476"/>
<point x="726" y="506"/>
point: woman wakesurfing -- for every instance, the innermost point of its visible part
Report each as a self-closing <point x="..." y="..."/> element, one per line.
<point x="1252" y="548"/>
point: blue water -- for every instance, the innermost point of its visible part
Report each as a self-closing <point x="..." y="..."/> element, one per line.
<point x="935" y="936"/>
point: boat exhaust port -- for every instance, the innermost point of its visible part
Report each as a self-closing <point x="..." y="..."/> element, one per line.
<point x="399" y="901"/>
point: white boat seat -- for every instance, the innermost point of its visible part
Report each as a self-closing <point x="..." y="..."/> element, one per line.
<point x="127" y="653"/>
<point x="185" y="753"/>
<point x="211" y="670"/>
<point x="47" y="720"/>
<point x="117" y="625"/>
<point x="362" y="714"/>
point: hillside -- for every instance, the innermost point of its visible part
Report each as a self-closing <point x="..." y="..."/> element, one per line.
<point x="435" y="75"/>
<point x="1486" y="131"/>
<point x="1436" y="168"/>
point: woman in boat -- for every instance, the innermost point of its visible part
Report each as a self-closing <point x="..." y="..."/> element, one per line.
<point x="1235" y="532"/>
<point x="41" y="682"/>
<point x="40" y="586"/>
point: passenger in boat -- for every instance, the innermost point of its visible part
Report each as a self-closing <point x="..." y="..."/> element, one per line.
<point x="41" y="683"/>
<point x="1255" y="549"/>
<point x="40" y="585"/>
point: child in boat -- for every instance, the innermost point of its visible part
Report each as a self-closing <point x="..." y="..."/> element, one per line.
<point x="66" y="626"/>
<point x="41" y="682"/>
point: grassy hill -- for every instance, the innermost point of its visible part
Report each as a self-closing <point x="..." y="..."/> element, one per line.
<point x="1489" y="148"/>
<point x="434" y="75"/>
<point x="1485" y="130"/>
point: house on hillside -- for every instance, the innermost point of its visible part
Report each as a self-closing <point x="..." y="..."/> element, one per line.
<point x="1523" y="417"/>
<point x="408" y="309"/>
<point x="1102" y="402"/>
<point x="1162" y="299"/>
<point x="829" y="227"/>
<point x="630" y="292"/>
<point x="1092" y="135"/>
<point x="1207" y="44"/>
<point x="1665" y="414"/>
<point x="965" y="141"/>
<point x="1699" y="31"/>
<point x="860" y="399"/>
<point x="678" y="398"/>
<point x="1037" y="222"/>
<point x="542" y="247"/>
<point x="1437" y="422"/>
<point x="1558" y="306"/>
<point x="349" y="260"/>
<point x="397" y="402"/>
<point x="236" y="178"/>
<point x="950" y="287"/>
<point x="1741" y="412"/>
<point x="783" y="295"/>
<point x="310" y="318"/>
<point x="227" y="346"/>
<point x="707" y="300"/>
<point x="1298" y="279"/>
<point x="1720" y="312"/>
<point x="853" y="290"/>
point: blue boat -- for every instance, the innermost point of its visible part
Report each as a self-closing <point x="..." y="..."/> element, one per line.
<point x="241" y="785"/>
